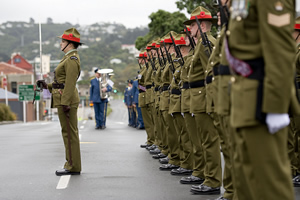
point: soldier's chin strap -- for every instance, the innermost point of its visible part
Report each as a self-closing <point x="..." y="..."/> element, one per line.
<point x="298" y="36"/>
<point x="65" y="46"/>
<point x="197" y="32"/>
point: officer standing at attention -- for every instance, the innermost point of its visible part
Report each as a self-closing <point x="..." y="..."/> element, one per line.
<point x="95" y="98"/>
<point x="207" y="134"/>
<point x="66" y="99"/>
<point x="214" y="72"/>
<point x="260" y="50"/>
<point x="185" y="145"/>
<point x="142" y="59"/>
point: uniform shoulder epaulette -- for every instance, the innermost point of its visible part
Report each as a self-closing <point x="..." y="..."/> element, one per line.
<point x="73" y="58"/>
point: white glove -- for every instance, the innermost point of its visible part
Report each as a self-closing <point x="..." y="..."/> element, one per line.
<point x="276" y="121"/>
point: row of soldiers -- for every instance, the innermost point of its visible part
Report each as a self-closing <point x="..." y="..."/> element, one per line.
<point x="198" y="93"/>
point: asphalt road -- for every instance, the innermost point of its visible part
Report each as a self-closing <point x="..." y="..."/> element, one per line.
<point x="113" y="165"/>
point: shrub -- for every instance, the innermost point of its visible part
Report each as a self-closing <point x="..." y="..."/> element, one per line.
<point x="6" y="114"/>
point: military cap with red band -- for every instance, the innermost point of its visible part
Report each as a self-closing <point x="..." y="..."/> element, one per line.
<point x="142" y="54"/>
<point x="180" y="39"/>
<point x="71" y="35"/>
<point x="202" y="14"/>
<point x="167" y="38"/>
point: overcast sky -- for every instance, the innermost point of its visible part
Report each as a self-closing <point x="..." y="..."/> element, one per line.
<point x="131" y="13"/>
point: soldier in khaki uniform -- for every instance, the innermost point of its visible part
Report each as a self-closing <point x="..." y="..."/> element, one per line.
<point x="295" y="120"/>
<point x="185" y="146"/>
<point x="212" y="92"/>
<point x="142" y="98"/>
<point x="166" y="77"/>
<point x="197" y="176"/>
<point x="261" y="54"/>
<point x="206" y="131"/>
<point x="66" y="99"/>
<point x="159" y="65"/>
<point x="149" y="101"/>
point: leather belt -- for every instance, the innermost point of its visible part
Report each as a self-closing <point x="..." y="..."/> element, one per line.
<point x="196" y="84"/>
<point x="208" y="79"/>
<point x="185" y="85"/>
<point x="258" y="68"/>
<point x="156" y="89"/>
<point x="175" y="91"/>
<point x="224" y="70"/>
<point x="148" y="86"/>
<point x="216" y="71"/>
<point x="298" y="83"/>
<point x="165" y="87"/>
<point x="58" y="85"/>
<point x="141" y="91"/>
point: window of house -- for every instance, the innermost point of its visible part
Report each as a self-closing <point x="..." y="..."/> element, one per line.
<point x="14" y="87"/>
<point x="17" y="60"/>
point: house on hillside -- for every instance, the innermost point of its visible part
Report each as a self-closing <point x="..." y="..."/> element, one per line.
<point x="20" y="62"/>
<point x="131" y="49"/>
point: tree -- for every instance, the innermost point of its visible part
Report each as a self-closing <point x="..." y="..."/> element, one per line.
<point x="161" y="23"/>
<point x="190" y="5"/>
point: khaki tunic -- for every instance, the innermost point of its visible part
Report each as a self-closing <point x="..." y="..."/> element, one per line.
<point x="67" y="73"/>
<point x="261" y="158"/>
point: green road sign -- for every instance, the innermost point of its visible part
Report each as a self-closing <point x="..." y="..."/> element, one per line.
<point x="26" y="93"/>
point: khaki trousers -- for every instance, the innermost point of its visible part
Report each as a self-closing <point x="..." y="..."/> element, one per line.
<point x="148" y="122"/>
<point x="185" y="145"/>
<point x="70" y="136"/>
<point x="211" y="149"/>
<point x="262" y="164"/>
<point x="172" y="140"/>
<point x="198" y="161"/>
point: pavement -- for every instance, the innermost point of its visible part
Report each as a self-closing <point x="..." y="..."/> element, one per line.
<point x="113" y="164"/>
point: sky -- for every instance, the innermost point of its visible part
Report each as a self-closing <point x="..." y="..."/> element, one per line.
<point x="131" y="13"/>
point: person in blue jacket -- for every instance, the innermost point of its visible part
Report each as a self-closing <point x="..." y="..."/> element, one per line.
<point x="128" y="103"/>
<point x="100" y="105"/>
<point x="135" y="104"/>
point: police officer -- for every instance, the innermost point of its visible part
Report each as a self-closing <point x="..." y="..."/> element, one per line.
<point x="66" y="99"/>
<point x="261" y="55"/>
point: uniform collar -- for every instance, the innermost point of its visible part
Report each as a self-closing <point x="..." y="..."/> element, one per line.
<point x="72" y="50"/>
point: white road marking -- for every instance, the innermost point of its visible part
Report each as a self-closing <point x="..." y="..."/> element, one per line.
<point x="63" y="182"/>
<point x="120" y="122"/>
<point x="84" y="122"/>
<point x="81" y="127"/>
<point x="79" y="136"/>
